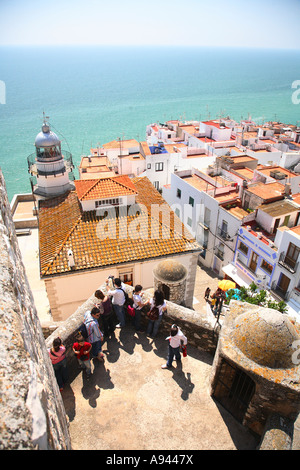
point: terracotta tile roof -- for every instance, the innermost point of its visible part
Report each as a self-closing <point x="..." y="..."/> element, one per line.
<point x="104" y="188"/>
<point x="63" y="225"/>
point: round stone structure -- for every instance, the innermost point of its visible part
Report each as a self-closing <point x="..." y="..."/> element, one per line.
<point x="266" y="337"/>
<point x="170" y="277"/>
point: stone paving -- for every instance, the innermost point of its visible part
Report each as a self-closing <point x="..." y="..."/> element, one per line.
<point x="130" y="403"/>
<point x="130" y="400"/>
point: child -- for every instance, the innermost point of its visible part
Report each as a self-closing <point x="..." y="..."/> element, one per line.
<point x="175" y="341"/>
<point x="82" y="350"/>
<point x="59" y="361"/>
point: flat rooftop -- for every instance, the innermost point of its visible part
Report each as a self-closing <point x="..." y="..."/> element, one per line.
<point x="130" y="403"/>
<point x="278" y="208"/>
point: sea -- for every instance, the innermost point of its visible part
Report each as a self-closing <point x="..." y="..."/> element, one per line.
<point x="95" y="94"/>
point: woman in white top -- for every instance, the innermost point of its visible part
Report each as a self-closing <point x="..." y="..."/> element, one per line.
<point x="158" y="301"/>
<point x="176" y="339"/>
<point x="137" y="305"/>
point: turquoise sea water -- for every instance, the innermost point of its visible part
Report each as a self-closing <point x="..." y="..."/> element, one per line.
<point x="97" y="94"/>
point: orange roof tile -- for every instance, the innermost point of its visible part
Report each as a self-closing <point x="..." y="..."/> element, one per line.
<point x="105" y="188"/>
<point x="63" y="225"/>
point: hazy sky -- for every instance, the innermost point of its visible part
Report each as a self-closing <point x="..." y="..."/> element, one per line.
<point x="246" y="23"/>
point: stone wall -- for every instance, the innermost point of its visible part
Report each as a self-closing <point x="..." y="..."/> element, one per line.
<point x="32" y="414"/>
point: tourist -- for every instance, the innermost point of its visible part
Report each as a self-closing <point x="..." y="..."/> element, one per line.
<point x="157" y="307"/>
<point x="216" y="299"/>
<point x="82" y="350"/>
<point x="207" y="292"/>
<point x="59" y="361"/>
<point x="95" y="335"/>
<point x="118" y="301"/>
<point x="176" y="341"/>
<point x="107" y="316"/>
<point x="137" y="305"/>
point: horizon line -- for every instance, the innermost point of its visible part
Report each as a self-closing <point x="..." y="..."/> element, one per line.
<point x="154" y="45"/>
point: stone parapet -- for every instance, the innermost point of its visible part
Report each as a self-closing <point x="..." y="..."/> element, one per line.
<point x="32" y="414"/>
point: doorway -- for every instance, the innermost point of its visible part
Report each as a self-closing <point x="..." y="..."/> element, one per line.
<point x="166" y="291"/>
<point x="234" y="390"/>
<point x="283" y="284"/>
<point x="253" y="262"/>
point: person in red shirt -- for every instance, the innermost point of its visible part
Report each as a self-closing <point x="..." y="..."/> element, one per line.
<point x="82" y="348"/>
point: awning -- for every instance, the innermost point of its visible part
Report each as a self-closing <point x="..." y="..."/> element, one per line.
<point x="236" y="275"/>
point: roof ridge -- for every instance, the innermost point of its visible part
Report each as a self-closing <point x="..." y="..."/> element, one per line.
<point x="91" y="187"/>
<point x="122" y="184"/>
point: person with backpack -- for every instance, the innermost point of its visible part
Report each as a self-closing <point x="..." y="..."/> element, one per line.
<point x="106" y="314"/>
<point x="157" y="308"/>
<point x="94" y="334"/>
<point x="176" y="340"/>
<point x="81" y="349"/>
<point x="59" y="361"/>
<point x="118" y="300"/>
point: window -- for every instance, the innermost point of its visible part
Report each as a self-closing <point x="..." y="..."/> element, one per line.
<point x="224" y="229"/>
<point x="156" y="185"/>
<point x="207" y="213"/>
<point x="266" y="266"/>
<point x="178" y="194"/>
<point x="127" y="277"/>
<point x="159" y="166"/>
<point x="189" y="221"/>
<point x="108" y="202"/>
<point x="191" y="201"/>
<point x="243" y="248"/>
<point x="177" y="212"/>
<point x="292" y="255"/>
<point x="149" y="166"/>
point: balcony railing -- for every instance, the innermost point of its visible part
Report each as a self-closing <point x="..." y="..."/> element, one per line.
<point x="279" y="291"/>
<point x="288" y="263"/>
<point x="223" y="234"/>
<point x="219" y="253"/>
<point x="32" y="167"/>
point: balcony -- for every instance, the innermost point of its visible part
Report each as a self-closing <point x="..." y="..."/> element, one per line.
<point x="223" y="234"/>
<point x="278" y="291"/>
<point x="219" y="253"/>
<point x="288" y="263"/>
<point x="32" y="167"/>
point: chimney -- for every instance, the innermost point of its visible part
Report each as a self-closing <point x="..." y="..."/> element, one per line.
<point x="71" y="261"/>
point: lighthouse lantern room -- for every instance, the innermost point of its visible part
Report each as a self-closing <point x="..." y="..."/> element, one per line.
<point x="50" y="168"/>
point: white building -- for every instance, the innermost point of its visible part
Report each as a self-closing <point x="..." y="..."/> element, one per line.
<point x="109" y="226"/>
<point x="211" y="212"/>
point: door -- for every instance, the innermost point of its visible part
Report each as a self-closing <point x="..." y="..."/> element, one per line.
<point x="276" y="225"/>
<point x="253" y="262"/>
<point x="234" y="390"/>
<point x="166" y="291"/>
<point x="283" y="284"/>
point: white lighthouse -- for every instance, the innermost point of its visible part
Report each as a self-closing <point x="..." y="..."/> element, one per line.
<point x="50" y="168"/>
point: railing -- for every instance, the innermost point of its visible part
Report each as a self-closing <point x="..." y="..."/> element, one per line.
<point x="245" y="265"/>
<point x="288" y="263"/>
<point x="223" y="233"/>
<point x="32" y="164"/>
<point x="219" y="253"/>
